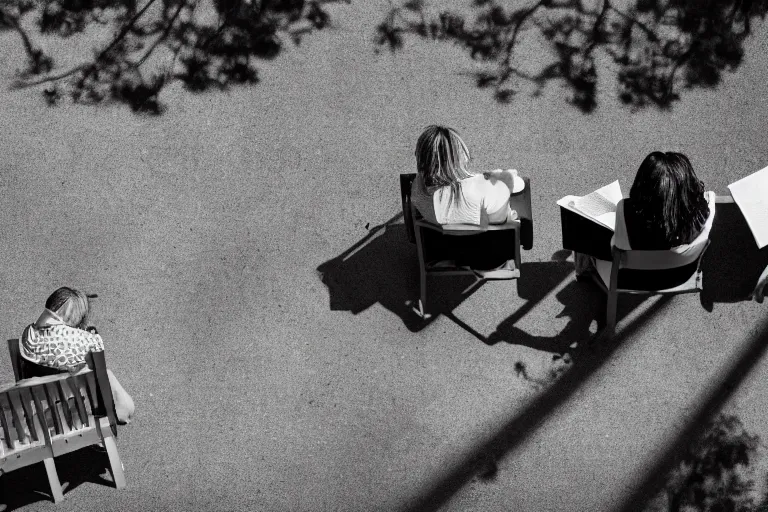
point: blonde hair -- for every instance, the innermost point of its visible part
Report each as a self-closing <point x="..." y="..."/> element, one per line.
<point x="441" y="159"/>
<point x="71" y="306"/>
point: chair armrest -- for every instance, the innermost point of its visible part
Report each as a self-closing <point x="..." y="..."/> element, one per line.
<point x="521" y="203"/>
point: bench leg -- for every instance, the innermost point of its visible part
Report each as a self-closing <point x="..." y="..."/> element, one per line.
<point x="115" y="463"/>
<point x="53" y="480"/>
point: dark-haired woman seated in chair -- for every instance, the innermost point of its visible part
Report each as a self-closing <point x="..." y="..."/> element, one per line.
<point x="667" y="210"/>
<point x="446" y="192"/>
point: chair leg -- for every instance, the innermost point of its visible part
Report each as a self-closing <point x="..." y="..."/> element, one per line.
<point x="610" y="316"/>
<point x="115" y="464"/>
<point x="423" y="294"/>
<point x="53" y="480"/>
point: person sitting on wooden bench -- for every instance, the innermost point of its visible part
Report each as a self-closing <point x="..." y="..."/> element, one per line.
<point x="61" y="338"/>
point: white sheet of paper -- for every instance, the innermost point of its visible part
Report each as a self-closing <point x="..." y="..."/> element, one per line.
<point x="599" y="206"/>
<point x="751" y="196"/>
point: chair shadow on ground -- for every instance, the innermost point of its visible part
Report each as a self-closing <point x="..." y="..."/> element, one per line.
<point x="583" y="304"/>
<point x="731" y="267"/>
<point x="382" y="269"/>
<point x="29" y="485"/>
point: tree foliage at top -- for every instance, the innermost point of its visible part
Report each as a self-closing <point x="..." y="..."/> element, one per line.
<point x="202" y="43"/>
<point x="658" y="46"/>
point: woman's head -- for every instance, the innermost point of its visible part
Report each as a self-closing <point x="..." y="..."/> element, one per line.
<point x="667" y="194"/>
<point x="442" y="157"/>
<point x="71" y="306"/>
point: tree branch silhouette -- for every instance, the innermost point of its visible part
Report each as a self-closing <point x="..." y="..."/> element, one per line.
<point x="659" y="47"/>
<point x="156" y="43"/>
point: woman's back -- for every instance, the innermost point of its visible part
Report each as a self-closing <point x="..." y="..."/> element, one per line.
<point x="480" y="199"/>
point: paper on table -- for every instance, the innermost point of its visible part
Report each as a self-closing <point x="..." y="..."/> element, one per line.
<point x="751" y="196"/>
<point x="599" y="206"/>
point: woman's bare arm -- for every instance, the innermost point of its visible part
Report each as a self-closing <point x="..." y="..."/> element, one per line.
<point x="759" y="293"/>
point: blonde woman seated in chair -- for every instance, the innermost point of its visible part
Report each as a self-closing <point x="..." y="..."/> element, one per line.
<point x="667" y="210"/>
<point x="445" y="191"/>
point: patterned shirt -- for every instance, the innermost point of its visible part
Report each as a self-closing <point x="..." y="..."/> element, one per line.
<point x="57" y="345"/>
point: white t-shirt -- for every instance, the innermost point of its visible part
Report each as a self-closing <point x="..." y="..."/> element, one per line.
<point x="482" y="200"/>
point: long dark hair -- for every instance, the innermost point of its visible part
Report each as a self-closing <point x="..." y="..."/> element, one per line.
<point x="667" y="200"/>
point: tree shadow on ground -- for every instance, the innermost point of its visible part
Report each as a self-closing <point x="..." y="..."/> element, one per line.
<point x="683" y="449"/>
<point x="156" y="43"/>
<point x="659" y="47"/>
<point x="381" y="268"/>
<point x="29" y="485"/>
<point x="482" y="461"/>
<point x="716" y="472"/>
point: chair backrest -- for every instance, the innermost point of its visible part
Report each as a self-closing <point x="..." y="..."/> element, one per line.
<point x="32" y="411"/>
<point x="675" y="257"/>
<point x="656" y="260"/>
<point x="13" y="351"/>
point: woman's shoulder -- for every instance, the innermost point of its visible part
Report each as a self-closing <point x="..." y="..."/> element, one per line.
<point x="66" y="332"/>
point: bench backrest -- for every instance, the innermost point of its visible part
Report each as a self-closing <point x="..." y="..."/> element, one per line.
<point x="104" y="406"/>
<point x="32" y="411"/>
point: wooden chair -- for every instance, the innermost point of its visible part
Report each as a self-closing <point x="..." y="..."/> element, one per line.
<point x="638" y="263"/>
<point x="654" y="272"/>
<point x="44" y="417"/>
<point x="416" y="227"/>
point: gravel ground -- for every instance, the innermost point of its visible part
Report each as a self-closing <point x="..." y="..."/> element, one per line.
<point x="273" y="357"/>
